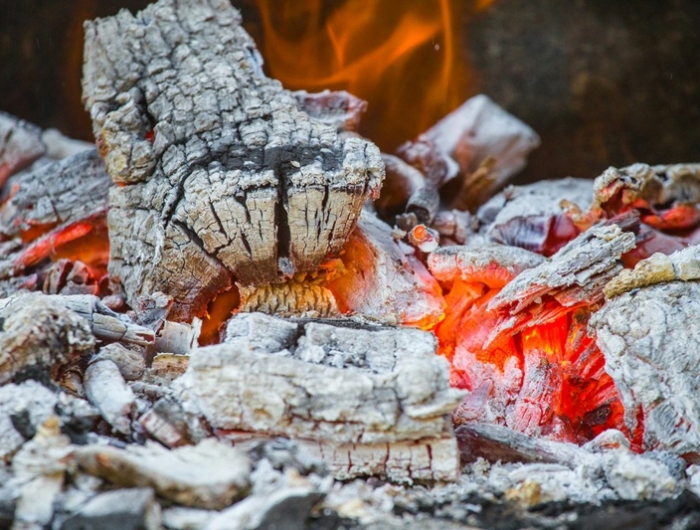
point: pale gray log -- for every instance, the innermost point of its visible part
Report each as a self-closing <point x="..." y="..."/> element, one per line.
<point x="208" y="475"/>
<point x="651" y="341"/>
<point x="238" y="182"/>
<point x="106" y="324"/>
<point x="394" y="387"/>
<point x="106" y="389"/>
<point x="59" y="146"/>
<point x="338" y="109"/>
<point x="178" y="338"/>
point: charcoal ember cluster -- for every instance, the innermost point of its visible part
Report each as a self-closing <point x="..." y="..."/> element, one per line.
<point x="529" y="353"/>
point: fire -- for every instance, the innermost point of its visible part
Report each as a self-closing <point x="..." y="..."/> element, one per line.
<point x="401" y="57"/>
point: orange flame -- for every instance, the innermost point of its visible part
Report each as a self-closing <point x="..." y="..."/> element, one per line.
<point x="402" y="57"/>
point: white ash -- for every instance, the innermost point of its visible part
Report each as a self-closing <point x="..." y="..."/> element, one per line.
<point x="651" y="341"/>
<point x="542" y="198"/>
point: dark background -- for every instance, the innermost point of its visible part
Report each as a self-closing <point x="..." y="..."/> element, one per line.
<point x="604" y="82"/>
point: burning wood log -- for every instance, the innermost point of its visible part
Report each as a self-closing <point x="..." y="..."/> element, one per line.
<point x="373" y="390"/>
<point x="228" y="180"/>
<point x="650" y="318"/>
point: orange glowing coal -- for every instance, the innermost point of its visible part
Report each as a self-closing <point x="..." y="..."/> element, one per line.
<point x="401" y="56"/>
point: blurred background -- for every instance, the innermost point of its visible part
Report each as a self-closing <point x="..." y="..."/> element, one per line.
<point x="604" y="82"/>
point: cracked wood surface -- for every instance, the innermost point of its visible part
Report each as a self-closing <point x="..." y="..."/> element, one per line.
<point x="221" y="176"/>
<point x="347" y="385"/>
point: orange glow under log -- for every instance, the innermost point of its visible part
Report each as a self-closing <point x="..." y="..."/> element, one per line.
<point x="48" y="245"/>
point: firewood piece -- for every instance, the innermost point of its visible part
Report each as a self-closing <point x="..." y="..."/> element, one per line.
<point x="305" y="297"/>
<point x="106" y="389"/>
<point x="165" y="368"/>
<point x="394" y="388"/>
<point x="57" y="194"/>
<point x="41" y="337"/>
<point x="591" y="258"/>
<point x="69" y="277"/>
<point x="532" y="216"/>
<point x="126" y="509"/>
<point x="166" y="422"/>
<point x="430" y="159"/>
<point x="30" y="402"/>
<point x="480" y="129"/>
<point x="131" y="363"/>
<point x="178" y="338"/>
<point x="657" y="186"/>
<point x="498" y="443"/>
<point x="208" y="475"/>
<point x="261" y="333"/>
<point x="222" y="174"/>
<point x="455" y="226"/>
<point x="106" y="324"/>
<point x="492" y="265"/>
<point x="383" y="279"/>
<point x="20" y="145"/>
<point x="406" y="189"/>
<point x="651" y="338"/>
<point x="682" y="265"/>
<point x="338" y="109"/>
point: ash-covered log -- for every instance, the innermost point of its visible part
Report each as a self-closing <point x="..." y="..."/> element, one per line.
<point x="221" y="176"/>
<point x="355" y="396"/>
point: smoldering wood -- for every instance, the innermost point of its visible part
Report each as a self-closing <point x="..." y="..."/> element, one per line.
<point x="69" y="277"/>
<point x="578" y="271"/>
<point x="106" y="389"/>
<point x="295" y="297"/>
<point x="288" y="507"/>
<point x="223" y="176"/>
<point x="338" y="109"/>
<point x="493" y="265"/>
<point x="56" y="194"/>
<point x="167" y="423"/>
<point x="131" y="363"/>
<point x="383" y="280"/>
<point x="29" y="403"/>
<point x="523" y="215"/>
<point x="208" y="475"/>
<point x="657" y="185"/>
<point x="43" y="338"/>
<point x="378" y="394"/>
<point x="104" y="323"/>
<point x="20" y="145"/>
<point x="480" y="129"/>
<point x="406" y="189"/>
<point x="178" y="338"/>
<point x="133" y="508"/>
<point x="650" y="337"/>
<point x="683" y="265"/>
<point x="58" y="146"/>
<point x="455" y="226"/>
<point x="404" y="396"/>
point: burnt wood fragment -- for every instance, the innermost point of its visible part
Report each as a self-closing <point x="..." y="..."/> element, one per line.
<point x="221" y="175"/>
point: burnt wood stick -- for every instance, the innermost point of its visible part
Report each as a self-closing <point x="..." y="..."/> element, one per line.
<point x="222" y="177"/>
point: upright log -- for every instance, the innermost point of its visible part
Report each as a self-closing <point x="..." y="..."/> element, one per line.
<point x="221" y="175"/>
